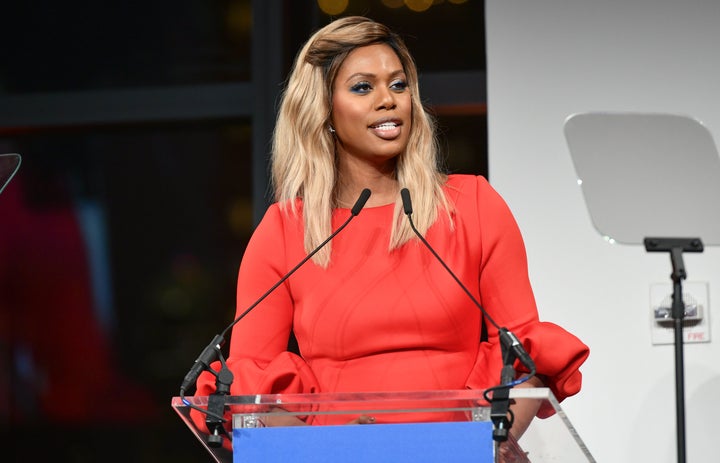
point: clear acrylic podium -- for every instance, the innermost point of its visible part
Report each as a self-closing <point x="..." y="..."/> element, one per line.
<point x="424" y="426"/>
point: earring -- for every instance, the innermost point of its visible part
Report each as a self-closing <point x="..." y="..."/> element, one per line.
<point x="331" y="129"/>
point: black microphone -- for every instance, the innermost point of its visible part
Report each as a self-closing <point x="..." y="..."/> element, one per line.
<point x="202" y="363"/>
<point x="507" y="338"/>
<point x="510" y="341"/>
<point x="210" y="353"/>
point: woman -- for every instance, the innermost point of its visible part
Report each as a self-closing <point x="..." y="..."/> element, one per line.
<point x="374" y="310"/>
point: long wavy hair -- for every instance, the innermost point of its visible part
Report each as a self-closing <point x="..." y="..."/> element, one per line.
<point x="303" y="151"/>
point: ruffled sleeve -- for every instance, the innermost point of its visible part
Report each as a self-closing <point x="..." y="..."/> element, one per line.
<point x="557" y="354"/>
<point x="287" y="373"/>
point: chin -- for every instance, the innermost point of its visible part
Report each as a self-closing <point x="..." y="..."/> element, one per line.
<point x="392" y="149"/>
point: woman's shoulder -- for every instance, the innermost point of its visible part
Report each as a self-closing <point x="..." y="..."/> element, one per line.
<point x="281" y="218"/>
<point x="284" y="210"/>
<point x="473" y="194"/>
<point x="465" y="179"/>
<point x="279" y="228"/>
<point x="465" y="185"/>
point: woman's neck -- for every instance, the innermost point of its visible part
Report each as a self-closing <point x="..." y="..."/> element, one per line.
<point x="384" y="188"/>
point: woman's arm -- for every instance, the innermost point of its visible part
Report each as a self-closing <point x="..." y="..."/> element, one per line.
<point x="525" y="409"/>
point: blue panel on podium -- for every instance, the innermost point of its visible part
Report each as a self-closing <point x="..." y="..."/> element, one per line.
<point x="397" y="443"/>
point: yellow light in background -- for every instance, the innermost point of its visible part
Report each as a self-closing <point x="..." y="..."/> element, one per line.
<point x="239" y="19"/>
<point x="457" y="2"/>
<point x="418" y="5"/>
<point x="393" y="3"/>
<point x="332" y="7"/>
<point x="239" y="217"/>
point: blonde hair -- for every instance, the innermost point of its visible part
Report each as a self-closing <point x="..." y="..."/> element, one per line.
<point x="303" y="152"/>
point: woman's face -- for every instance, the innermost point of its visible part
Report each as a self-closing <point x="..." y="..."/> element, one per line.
<point x="371" y="107"/>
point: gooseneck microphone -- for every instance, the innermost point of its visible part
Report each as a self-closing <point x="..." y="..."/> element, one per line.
<point x="213" y="350"/>
<point x="208" y="354"/>
<point x="508" y="339"/>
<point x="512" y="348"/>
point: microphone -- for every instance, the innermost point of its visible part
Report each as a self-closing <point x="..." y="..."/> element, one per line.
<point x="511" y="347"/>
<point x="511" y="342"/>
<point x="507" y="338"/>
<point x="210" y="353"/>
<point x="202" y="362"/>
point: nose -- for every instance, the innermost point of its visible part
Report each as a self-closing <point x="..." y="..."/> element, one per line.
<point x="385" y="98"/>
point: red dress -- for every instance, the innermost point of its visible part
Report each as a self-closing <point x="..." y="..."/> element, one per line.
<point x="376" y="320"/>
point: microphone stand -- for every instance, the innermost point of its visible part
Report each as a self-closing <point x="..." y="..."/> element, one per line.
<point x="216" y="403"/>
<point x="676" y="246"/>
<point x="511" y="347"/>
<point x="224" y="378"/>
<point x="500" y="402"/>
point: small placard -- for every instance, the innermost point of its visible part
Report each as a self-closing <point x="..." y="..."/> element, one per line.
<point x="696" y="324"/>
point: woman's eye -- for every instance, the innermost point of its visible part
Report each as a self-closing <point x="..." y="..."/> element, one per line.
<point x="399" y="85"/>
<point x="361" y="87"/>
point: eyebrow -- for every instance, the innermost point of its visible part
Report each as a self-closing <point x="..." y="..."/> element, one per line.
<point x="368" y="75"/>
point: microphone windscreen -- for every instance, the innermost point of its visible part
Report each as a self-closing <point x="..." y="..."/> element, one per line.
<point x="360" y="203"/>
<point x="407" y="204"/>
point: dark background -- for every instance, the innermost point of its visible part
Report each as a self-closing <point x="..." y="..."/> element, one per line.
<point x="140" y="183"/>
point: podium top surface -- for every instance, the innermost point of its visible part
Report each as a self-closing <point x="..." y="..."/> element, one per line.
<point x="550" y="439"/>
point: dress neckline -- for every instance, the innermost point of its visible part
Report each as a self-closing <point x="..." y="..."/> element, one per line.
<point x="368" y="208"/>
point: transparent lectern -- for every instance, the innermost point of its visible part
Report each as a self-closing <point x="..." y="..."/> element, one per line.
<point x="426" y="426"/>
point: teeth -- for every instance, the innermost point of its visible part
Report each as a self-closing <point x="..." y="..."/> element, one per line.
<point x="386" y="125"/>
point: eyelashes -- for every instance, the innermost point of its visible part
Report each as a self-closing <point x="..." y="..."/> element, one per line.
<point x="364" y="87"/>
<point x="399" y="85"/>
<point x="361" y="88"/>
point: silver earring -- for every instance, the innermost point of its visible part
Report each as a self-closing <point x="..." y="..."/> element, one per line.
<point x="331" y="129"/>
